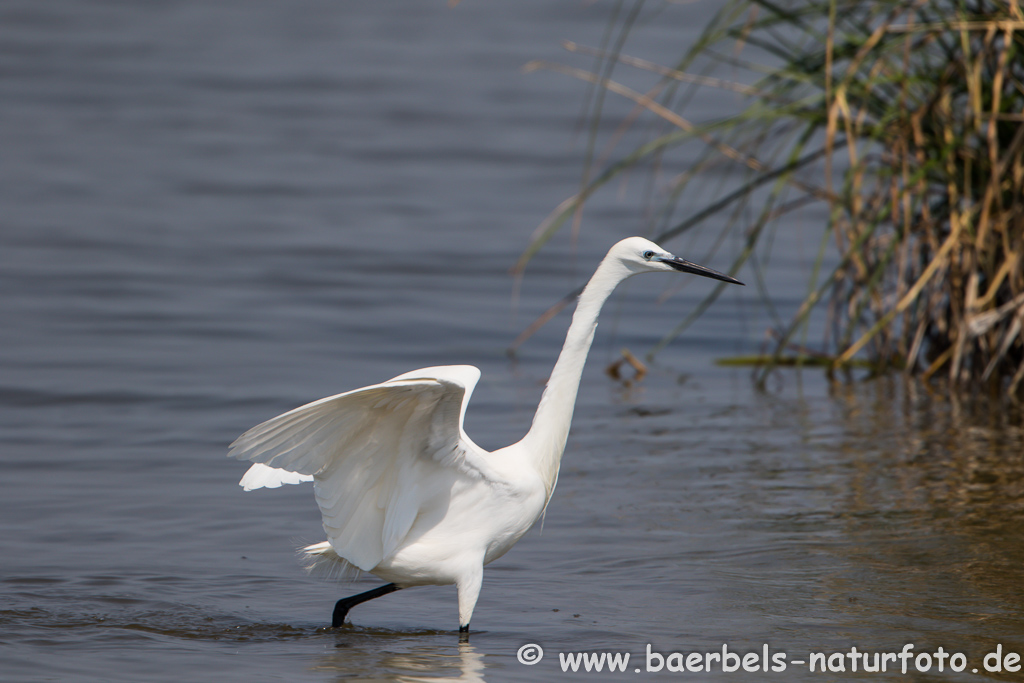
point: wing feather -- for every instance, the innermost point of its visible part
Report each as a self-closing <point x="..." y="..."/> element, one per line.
<point x="379" y="457"/>
<point x="261" y="476"/>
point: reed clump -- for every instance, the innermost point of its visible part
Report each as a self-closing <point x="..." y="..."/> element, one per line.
<point x="906" y="120"/>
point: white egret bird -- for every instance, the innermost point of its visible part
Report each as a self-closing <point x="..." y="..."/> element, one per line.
<point x="405" y="494"/>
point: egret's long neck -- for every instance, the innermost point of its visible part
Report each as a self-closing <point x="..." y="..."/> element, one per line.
<point x="545" y="441"/>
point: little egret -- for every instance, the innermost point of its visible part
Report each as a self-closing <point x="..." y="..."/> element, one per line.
<point x="405" y="494"/>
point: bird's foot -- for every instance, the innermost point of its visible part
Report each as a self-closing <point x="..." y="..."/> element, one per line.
<point x="341" y="609"/>
<point x="464" y="634"/>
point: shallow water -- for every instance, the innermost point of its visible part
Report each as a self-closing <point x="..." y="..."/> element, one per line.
<point x="214" y="212"/>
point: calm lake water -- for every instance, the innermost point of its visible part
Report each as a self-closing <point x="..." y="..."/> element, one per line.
<point x="215" y="211"/>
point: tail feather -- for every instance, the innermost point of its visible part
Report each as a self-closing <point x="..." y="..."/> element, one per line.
<point x="321" y="559"/>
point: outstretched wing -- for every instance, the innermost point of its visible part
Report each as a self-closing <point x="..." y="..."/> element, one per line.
<point x="378" y="456"/>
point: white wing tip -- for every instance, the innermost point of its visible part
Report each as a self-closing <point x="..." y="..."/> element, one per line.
<point x="261" y="476"/>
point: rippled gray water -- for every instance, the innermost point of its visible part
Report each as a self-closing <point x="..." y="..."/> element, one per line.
<point x="215" y="211"/>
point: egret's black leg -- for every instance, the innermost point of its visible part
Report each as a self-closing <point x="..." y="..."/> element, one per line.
<point x="464" y="634"/>
<point x="342" y="607"/>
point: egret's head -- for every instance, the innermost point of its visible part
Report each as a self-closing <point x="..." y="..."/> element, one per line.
<point x="640" y="255"/>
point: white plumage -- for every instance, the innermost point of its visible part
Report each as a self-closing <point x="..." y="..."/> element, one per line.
<point x="405" y="494"/>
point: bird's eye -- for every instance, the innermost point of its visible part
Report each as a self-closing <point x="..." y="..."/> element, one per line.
<point x="648" y="255"/>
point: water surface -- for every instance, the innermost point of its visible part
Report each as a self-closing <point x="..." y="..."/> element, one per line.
<point x="216" y="211"/>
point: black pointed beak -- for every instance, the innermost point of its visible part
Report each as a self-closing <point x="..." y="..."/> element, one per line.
<point x="684" y="266"/>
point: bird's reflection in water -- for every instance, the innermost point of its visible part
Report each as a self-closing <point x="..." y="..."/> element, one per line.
<point x="391" y="657"/>
<point x="466" y="661"/>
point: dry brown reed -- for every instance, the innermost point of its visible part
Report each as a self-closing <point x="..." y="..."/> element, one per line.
<point x="905" y="118"/>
